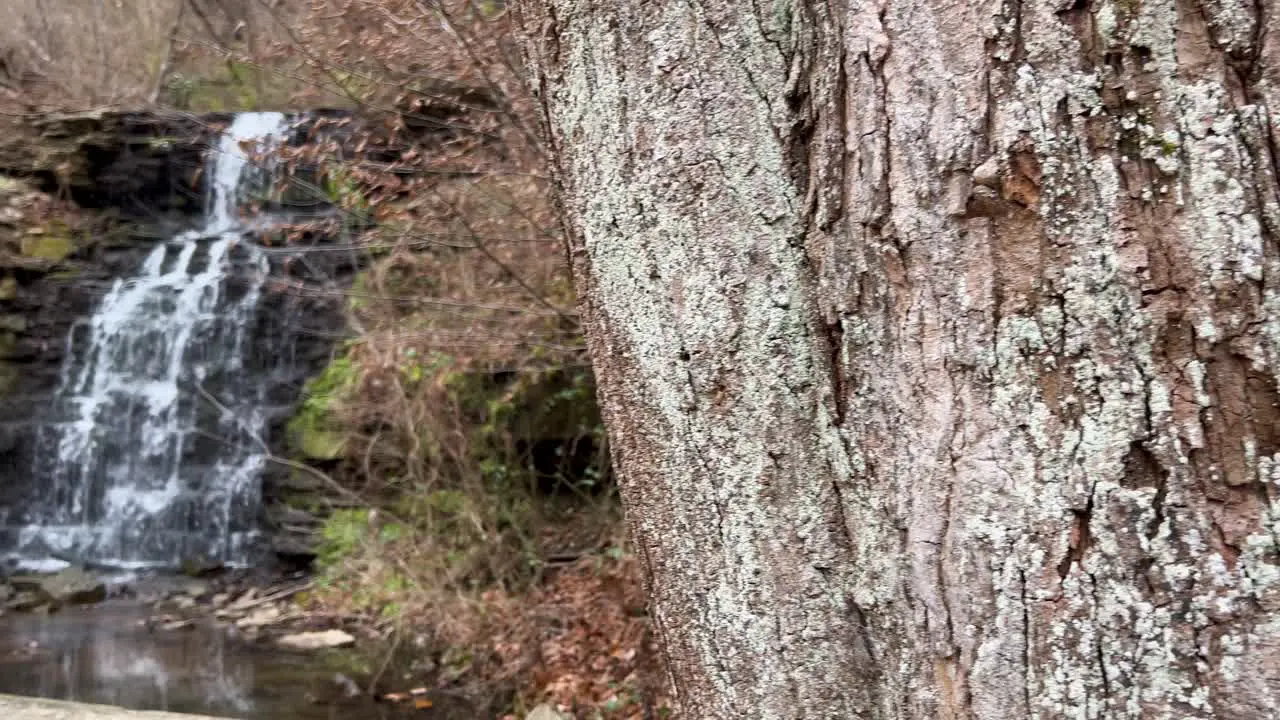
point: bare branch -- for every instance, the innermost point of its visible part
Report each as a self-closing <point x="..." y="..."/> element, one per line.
<point x="163" y="71"/>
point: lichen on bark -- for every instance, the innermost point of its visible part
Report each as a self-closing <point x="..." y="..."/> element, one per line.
<point x="938" y="342"/>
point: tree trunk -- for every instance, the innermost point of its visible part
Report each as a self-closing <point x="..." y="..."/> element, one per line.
<point x="938" y="342"/>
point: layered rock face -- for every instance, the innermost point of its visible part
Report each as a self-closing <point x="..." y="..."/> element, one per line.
<point x="83" y="200"/>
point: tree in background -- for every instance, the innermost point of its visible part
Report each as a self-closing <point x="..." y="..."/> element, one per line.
<point x="938" y="344"/>
<point x="86" y="53"/>
<point x="96" y="53"/>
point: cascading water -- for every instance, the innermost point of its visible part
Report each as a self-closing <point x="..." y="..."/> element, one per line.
<point x="157" y="461"/>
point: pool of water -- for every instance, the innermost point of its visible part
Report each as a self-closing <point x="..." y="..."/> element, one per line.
<point x="106" y="654"/>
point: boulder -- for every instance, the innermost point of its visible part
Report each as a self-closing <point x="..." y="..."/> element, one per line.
<point x="316" y="640"/>
<point x="261" y="617"/>
<point x="73" y="586"/>
<point x="195" y="588"/>
<point x="26" y="601"/>
<point x="25" y="708"/>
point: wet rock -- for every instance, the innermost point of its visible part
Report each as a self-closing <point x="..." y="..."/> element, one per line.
<point x="73" y="586"/>
<point x="316" y="640"/>
<point x="261" y="617"/>
<point x="76" y="587"/>
<point x="241" y="606"/>
<point x="26" y="601"/>
<point x="346" y="686"/>
<point x="42" y="709"/>
<point x="194" y="587"/>
<point x="199" y="567"/>
<point x="297" y="532"/>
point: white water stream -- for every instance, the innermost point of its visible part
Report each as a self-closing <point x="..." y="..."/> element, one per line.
<point x="146" y="470"/>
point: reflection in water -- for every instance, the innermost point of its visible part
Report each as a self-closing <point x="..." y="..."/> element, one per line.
<point x="106" y="655"/>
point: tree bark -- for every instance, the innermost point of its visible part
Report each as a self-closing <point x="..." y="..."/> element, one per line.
<point x="938" y="342"/>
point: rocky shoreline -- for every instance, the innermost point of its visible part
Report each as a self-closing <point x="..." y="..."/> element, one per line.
<point x="259" y="611"/>
<point x="251" y="605"/>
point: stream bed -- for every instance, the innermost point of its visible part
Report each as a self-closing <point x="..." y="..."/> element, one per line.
<point x="107" y="654"/>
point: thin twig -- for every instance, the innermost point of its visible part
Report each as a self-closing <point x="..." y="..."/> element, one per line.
<point x="273" y="458"/>
<point x="507" y="269"/>
<point x="287" y="592"/>
<point x="167" y="60"/>
<point x="386" y="661"/>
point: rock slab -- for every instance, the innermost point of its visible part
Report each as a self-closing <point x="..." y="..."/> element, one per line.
<point x="22" y="708"/>
<point x="72" y="586"/>
<point x="316" y="640"/>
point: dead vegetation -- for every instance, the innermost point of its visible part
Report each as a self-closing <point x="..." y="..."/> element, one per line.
<point x="202" y="55"/>
<point x="95" y="53"/>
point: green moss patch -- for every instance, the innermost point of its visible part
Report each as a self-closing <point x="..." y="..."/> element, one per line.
<point x="318" y="443"/>
<point x="53" y="244"/>
<point x="312" y="431"/>
<point x="10" y="376"/>
<point x="8" y="344"/>
<point x="14" y="323"/>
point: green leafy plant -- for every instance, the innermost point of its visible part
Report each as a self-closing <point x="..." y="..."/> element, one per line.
<point x="342" y="534"/>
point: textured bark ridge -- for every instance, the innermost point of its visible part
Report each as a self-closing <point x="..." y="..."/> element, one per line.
<point x="939" y="344"/>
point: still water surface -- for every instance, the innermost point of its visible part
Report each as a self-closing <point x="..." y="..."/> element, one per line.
<point x="106" y="654"/>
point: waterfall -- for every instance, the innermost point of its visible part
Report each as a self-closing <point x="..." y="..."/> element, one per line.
<point x="155" y="460"/>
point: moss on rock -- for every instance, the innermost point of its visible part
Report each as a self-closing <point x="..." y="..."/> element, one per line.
<point x="11" y="186"/>
<point x="52" y="243"/>
<point x="311" y="431"/>
<point x="8" y="344"/>
<point x="318" y="443"/>
<point x="13" y="323"/>
<point x="10" y="375"/>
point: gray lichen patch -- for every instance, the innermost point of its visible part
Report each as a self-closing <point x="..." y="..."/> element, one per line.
<point x="941" y="382"/>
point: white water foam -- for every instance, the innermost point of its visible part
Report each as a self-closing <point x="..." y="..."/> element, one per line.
<point x="147" y="471"/>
